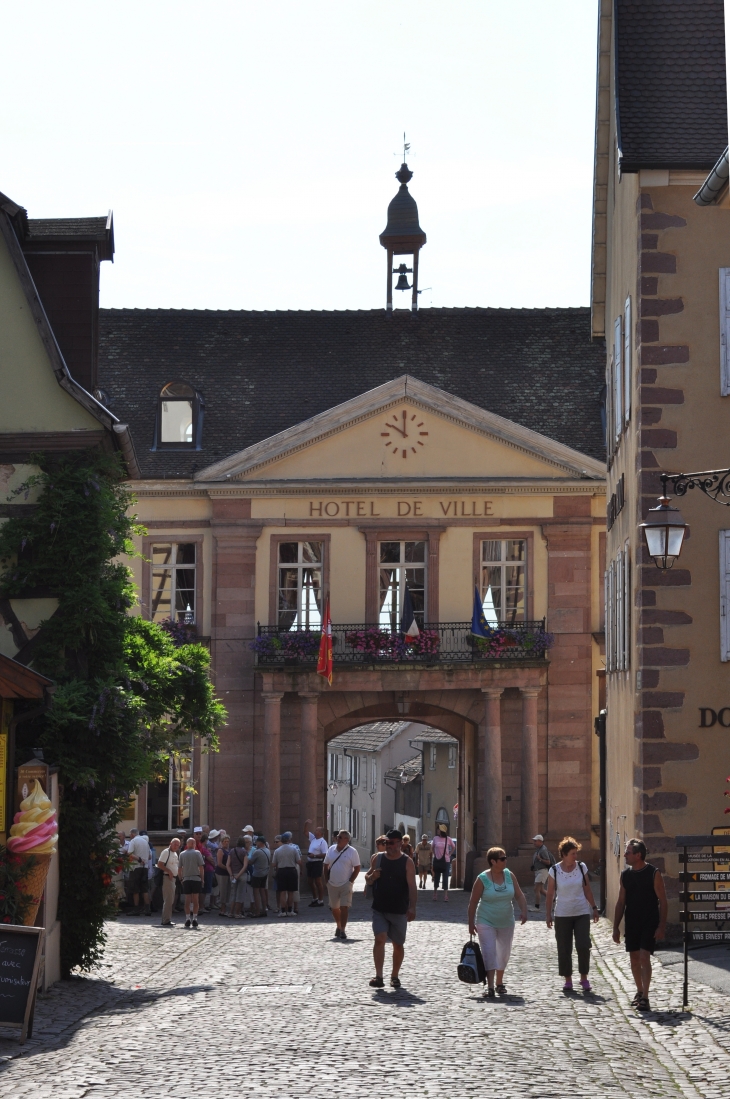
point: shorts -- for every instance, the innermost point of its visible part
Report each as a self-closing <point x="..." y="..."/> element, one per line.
<point x="260" y="883"/>
<point x="314" y="869"/>
<point x="424" y="869"/>
<point x="640" y="936"/>
<point x="287" y="879"/>
<point x="139" y="880"/>
<point x="192" y="885"/>
<point x="340" y="895"/>
<point x="394" y="924"/>
<point x="541" y="876"/>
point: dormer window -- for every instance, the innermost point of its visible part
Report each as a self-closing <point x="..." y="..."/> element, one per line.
<point x="179" y="416"/>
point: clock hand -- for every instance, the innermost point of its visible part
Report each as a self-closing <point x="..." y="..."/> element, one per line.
<point x="398" y="429"/>
<point x="405" y="434"/>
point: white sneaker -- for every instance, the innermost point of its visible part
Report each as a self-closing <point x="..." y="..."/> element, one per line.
<point x="293" y="913"/>
<point x="281" y="913"/>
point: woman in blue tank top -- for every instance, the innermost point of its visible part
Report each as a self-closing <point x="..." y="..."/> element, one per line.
<point x="492" y="916"/>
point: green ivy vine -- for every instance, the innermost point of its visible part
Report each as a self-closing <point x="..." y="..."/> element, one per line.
<point x="126" y="691"/>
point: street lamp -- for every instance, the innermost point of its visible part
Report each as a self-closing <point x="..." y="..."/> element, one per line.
<point x="664" y="530"/>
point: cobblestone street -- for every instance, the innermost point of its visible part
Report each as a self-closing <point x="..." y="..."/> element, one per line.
<point x="280" y="1008"/>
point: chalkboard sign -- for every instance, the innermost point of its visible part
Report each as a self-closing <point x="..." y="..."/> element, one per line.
<point x="20" y="957"/>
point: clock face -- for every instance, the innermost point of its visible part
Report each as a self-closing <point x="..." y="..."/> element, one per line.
<point x="404" y="433"/>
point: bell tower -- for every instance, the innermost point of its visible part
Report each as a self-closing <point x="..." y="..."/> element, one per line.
<point x="403" y="236"/>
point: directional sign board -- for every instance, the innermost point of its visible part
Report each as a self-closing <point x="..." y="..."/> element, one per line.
<point x="709" y="936"/>
<point x="704" y="917"/>
<point x="704" y="875"/>
<point x="721" y="860"/>
<point x="704" y="897"/>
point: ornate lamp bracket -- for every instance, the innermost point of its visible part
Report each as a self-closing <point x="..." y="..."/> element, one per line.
<point x="715" y="483"/>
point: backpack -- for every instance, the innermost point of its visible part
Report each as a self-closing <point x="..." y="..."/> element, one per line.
<point x="471" y="969"/>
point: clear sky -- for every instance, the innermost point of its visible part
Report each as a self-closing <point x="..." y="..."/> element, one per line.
<point x="247" y="149"/>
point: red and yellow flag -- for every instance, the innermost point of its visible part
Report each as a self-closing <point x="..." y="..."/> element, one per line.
<point x="324" y="664"/>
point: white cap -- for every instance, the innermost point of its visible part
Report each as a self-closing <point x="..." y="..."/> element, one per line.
<point x="539" y="837"/>
<point x="197" y="828"/>
<point x="248" y="828"/>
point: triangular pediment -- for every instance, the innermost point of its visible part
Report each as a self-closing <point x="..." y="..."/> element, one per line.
<point x="405" y="428"/>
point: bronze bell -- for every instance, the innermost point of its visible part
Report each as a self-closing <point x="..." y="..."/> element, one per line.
<point x="401" y="272"/>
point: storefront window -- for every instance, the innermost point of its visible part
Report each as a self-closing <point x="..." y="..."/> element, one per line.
<point x="173" y="582"/>
<point x="300" y="585"/>
<point x="401" y="563"/>
<point x="503" y="580"/>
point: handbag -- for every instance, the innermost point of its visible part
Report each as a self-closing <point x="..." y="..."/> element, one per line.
<point x="471" y="969"/>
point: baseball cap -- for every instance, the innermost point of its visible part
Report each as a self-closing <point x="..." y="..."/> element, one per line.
<point x="538" y="837"/>
<point x="286" y="836"/>
<point x="197" y="828"/>
<point x="394" y="834"/>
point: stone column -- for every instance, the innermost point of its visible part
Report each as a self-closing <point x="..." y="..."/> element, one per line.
<point x="272" y="765"/>
<point x="491" y="831"/>
<point x="528" y="775"/>
<point x="308" y="764"/>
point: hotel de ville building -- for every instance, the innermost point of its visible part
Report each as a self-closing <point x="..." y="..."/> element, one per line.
<point x="384" y="460"/>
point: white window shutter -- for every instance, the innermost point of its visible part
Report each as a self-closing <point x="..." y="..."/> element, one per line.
<point x="620" y="611"/>
<point x="724" y="331"/>
<point x="627" y="361"/>
<point x="607" y="620"/>
<point x="627" y="608"/>
<point x="724" y="594"/>
<point x="610" y="630"/>
<point x="610" y="440"/>
<point x="618" y="404"/>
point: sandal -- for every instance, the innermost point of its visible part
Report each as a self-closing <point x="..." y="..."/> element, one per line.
<point x="490" y="993"/>
<point x="643" y="1004"/>
<point x="502" y="990"/>
<point x="377" y="982"/>
<point x="394" y="982"/>
<point x="636" y="999"/>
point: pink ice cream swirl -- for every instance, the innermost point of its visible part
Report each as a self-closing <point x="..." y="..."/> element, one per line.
<point x="35" y="828"/>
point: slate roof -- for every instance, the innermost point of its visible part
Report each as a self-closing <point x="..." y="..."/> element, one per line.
<point x="262" y="372"/>
<point x="670" y="73"/>
<point x="411" y="768"/>
<point x="367" y="738"/>
<point x="54" y="228"/>
<point x="431" y="736"/>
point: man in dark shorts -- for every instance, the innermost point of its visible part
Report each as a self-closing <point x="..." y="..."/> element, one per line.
<point x="316" y="854"/>
<point x="393" y="880"/>
<point x="644" y="902"/>
<point x="191" y="866"/>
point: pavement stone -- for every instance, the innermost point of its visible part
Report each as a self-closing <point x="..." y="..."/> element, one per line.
<point x="278" y="1007"/>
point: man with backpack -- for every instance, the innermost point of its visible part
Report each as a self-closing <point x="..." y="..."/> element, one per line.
<point x="341" y="867"/>
<point x="258" y="863"/>
<point x="542" y="860"/>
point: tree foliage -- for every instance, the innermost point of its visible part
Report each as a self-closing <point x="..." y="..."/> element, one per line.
<point x="127" y="690"/>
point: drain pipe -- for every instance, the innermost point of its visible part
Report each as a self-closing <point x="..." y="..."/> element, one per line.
<point x="715" y="183"/>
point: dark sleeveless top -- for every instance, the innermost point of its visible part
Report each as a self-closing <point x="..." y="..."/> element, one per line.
<point x="642" y="903"/>
<point x="390" y="891"/>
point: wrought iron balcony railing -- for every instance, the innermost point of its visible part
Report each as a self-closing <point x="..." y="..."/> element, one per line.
<point x="443" y="642"/>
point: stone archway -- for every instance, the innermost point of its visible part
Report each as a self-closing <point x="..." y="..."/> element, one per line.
<point x="464" y="731"/>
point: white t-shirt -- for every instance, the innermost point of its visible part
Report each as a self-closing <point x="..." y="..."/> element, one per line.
<point x="343" y="863"/>
<point x="571" y="898"/>
<point x="139" y="849"/>
<point x="170" y="860"/>
<point x="317" y="846"/>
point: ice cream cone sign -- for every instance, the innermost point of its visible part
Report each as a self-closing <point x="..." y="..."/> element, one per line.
<point x="33" y="838"/>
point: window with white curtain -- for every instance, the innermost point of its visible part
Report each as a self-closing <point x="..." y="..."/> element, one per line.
<point x="617" y="594"/>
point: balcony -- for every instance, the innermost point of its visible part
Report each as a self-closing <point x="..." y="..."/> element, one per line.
<point x="441" y="643"/>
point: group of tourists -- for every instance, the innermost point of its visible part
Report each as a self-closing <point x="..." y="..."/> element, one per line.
<point x="207" y="871"/>
<point x="569" y="910"/>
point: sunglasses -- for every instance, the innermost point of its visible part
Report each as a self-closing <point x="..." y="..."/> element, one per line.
<point x="500" y="858"/>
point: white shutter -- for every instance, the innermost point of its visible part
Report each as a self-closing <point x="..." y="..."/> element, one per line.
<point x="618" y="404"/>
<point x="620" y="611"/>
<point x="627" y="361"/>
<point x="610" y="628"/>
<point x="724" y="331"/>
<point x="724" y="594"/>
<point x="607" y="619"/>
<point x="627" y="608"/>
<point x="610" y="447"/>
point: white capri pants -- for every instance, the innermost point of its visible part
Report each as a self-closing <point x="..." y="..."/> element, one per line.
<point x="496" y="944"/>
